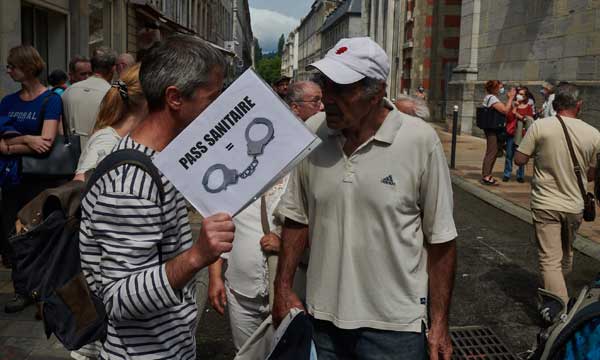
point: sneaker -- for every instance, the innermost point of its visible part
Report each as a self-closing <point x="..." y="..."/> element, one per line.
<point x="17" y="304"/>
<point x="505" y="179"/>
<point x="521" y="180"/>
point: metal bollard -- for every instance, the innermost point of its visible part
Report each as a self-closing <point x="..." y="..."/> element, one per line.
<point x="454" y="137"/>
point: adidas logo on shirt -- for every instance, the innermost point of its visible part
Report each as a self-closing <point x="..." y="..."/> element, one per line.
<point x="388" y="180"/>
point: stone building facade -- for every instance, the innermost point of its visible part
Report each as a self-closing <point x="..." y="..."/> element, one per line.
<point x="344" y="22"/>
<point x="527" y="42"/>
<point x="421" y="37"/>
<point x="243" y="38"/>
<point x="289" y="58"/>
<point x="309" y="43"/>
<point x="60" y="29"/>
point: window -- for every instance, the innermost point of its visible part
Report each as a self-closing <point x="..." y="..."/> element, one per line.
<point x="100" y="24"/>
<point x="46" y="30"/>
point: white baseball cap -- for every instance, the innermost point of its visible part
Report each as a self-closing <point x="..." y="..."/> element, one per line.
<point x="354" y="59"/>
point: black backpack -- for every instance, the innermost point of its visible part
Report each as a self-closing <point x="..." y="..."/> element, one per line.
<point x="47" y="255"/>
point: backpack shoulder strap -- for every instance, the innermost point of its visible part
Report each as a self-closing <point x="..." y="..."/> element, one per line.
<point x="136" y="158"/>
<point x="127" y="156"/>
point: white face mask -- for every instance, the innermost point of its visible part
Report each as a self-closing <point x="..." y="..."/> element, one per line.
<point x="520" y="97"/>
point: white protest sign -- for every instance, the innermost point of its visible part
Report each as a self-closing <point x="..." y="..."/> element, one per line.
<point x="236" y="149"/>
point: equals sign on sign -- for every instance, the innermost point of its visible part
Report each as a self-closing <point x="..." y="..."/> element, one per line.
<point x="229" y="147"/>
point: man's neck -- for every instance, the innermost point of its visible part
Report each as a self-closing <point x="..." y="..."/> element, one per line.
<point x="156" y="131"/>
<point x="367" y="126"/>
<point x="571" y="113"/>
<point x="105" y="77"/>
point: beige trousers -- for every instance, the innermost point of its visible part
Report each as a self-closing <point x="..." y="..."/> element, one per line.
<point x="555" y="232"/>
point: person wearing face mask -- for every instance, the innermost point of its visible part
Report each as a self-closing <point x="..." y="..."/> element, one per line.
<point x="521" y="109"/>
<point x="491" y="100"/>
<point x="547" y="109"/>
<point x="556" y="199"/>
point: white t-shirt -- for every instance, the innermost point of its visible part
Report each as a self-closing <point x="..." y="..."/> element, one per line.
<point x="81" y="103"/>
<point x="247" y="271"/>
<point x="98" y="146"/>
<point x="489" y="100"/>
<point x="370" y="216"/>
<point x="548" y="108"/>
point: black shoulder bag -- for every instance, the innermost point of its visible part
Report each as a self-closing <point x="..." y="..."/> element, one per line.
<point x="589" y="202"/>
<point x="489" y="118"/>
<point x="61" y="160"/>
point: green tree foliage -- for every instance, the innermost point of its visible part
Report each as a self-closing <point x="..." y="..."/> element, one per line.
<point x="257" y="51"/>
<point x="280" y="45"/>
<point x="269" y="67"/>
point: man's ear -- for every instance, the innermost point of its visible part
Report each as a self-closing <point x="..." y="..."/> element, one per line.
<point x="294" y="107"/>
<point x="380" y="94"/>
<point x="173" y="98"/>
<point x="579" y="106"/>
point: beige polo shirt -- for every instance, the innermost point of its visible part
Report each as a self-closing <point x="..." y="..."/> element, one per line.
<point x="554" y="185"/>
<point x="369" y="217"/>
<point x="81" y="103"/>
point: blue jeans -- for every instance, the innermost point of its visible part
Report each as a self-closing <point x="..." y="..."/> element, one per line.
<point x="510" y="154"/>
<point x="367" y="344"/>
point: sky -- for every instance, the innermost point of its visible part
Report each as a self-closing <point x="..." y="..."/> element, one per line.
<point x="271" y="18"/>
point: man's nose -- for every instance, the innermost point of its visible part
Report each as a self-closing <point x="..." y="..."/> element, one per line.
<point x="321" y="106"/>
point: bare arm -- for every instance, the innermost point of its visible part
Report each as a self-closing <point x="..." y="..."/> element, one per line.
<point x="216" y="237"/>
<point x="30" y="144"/>
<point x="591" y="174"/>
<point x="216" y="287"/>
<point x="521" y="159"/>
<point x="506" y="108"/>
<point x="442" y="269"/>
<point x="294" y="240"/>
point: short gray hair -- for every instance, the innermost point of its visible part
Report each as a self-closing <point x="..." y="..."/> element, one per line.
<point x="75" y="60"/>
<point x="566" y="97"/>
<point x="419" y="105"/>
<point x="296" y="91"/>
<point x="182" y="61"/>
<point x="103" y="60"/>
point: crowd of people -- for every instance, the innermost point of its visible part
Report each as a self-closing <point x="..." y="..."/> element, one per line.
<point x="366" y="249"/>
<point x="565" y="150"/>
<point x="517" y="113"/>
<point x="30" y="121"/>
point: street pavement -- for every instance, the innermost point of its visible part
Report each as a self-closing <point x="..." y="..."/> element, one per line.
<point x="497" y="275"/>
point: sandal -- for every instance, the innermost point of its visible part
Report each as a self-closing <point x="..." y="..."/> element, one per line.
<point x="489" y="181"/>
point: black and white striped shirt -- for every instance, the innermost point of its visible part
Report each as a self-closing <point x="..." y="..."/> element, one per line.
<point x="123" y="223"/>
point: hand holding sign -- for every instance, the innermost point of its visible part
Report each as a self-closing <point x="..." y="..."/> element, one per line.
<point x="216" y="237"/>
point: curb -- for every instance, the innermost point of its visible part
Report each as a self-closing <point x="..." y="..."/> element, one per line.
<point x="581" y="244"/>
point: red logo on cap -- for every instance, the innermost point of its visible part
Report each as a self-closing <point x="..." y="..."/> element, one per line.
<point x="341" y="50"/>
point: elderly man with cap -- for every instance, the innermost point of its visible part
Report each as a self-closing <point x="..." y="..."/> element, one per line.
<point x="375" y="200"/>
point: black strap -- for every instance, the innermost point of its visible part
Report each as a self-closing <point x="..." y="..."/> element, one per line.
<point x="42" y="116"/>
<point x="131" y="157"/>
<point x="576" y="167"/>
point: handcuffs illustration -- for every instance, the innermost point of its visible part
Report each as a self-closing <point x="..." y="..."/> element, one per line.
<point x="255" y="148"/>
